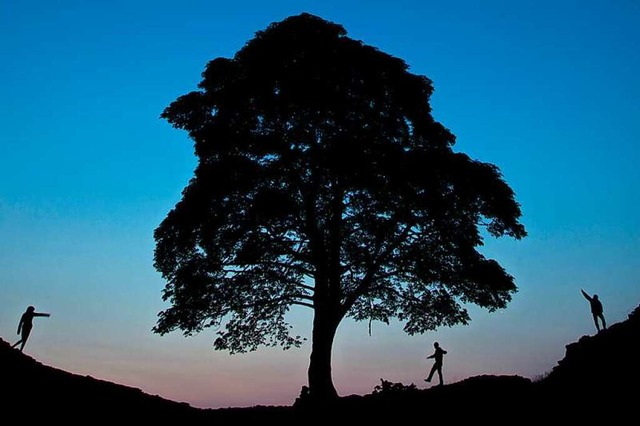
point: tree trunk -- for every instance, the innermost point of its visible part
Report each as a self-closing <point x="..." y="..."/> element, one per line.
<point x="320" y="380"/>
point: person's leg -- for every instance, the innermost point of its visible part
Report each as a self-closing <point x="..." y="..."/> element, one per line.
<point x="440" y="375"/>
<point x="433" y="370"/>
<point x="16" y="343"/>
<point x="595" y="320"/>
<point x="25" y="336"/>
<point x="604" y="323"/>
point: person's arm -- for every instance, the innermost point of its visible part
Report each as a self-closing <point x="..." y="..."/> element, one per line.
<point x="20" y="324"/>
<point x="41" y="314"/>
<point x="586" y="295"/>
<point x="431" y="356"/>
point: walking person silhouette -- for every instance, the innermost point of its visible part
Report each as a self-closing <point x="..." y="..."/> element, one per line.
<point x="26" y="324"/>
<point x="596" y="310"/>
<point x="437" y="365"/>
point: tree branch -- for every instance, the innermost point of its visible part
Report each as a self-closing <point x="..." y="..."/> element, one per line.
<point x="285" y="298"/>
<point x="244" y="266"/>
<point x="308" y="305"/>
<point x="368" y="279"/>
<point x="306" y="287"/>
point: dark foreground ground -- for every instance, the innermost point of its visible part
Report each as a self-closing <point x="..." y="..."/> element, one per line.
<point x="596" y="383"/>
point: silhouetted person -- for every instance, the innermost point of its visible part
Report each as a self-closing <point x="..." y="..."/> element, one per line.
<point x="596" y="310"/>
<point x="437" y="366"/>
<point x="26" y="324"/>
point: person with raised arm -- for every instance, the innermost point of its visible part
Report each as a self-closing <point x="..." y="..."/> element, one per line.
<point x="596" y="310"/>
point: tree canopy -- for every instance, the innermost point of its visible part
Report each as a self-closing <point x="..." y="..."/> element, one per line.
<point x="324" y="181"/>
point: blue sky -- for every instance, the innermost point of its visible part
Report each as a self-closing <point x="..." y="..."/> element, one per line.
<point x="546" y="90"/>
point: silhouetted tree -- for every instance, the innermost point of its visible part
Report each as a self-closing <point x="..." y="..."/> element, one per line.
<point x="323" y="181"/>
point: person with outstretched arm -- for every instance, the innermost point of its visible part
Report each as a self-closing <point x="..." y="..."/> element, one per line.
<point x="596" y="310"/>
<point x="26" y="324"/>
<point x="437" y="365"/>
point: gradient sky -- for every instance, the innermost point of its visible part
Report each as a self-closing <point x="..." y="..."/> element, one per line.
<point x="546" y="90"/>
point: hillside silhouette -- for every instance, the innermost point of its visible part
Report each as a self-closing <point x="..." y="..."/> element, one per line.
<point x="597" y="379"/>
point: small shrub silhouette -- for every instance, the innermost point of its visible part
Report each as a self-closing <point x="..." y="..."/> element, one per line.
<point x="540" y="377"/>
<point x="389" y="388"/>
